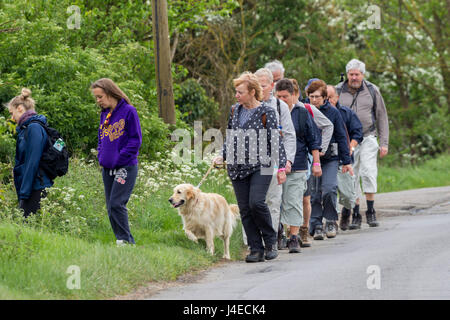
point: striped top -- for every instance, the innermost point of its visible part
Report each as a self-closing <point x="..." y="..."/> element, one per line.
<point x="245" y="115"/>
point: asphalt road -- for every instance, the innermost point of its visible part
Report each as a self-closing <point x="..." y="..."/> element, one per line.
<point x="406" y="257"/>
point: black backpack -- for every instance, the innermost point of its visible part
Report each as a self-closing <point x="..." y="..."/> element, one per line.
<point x="53" y="163"/>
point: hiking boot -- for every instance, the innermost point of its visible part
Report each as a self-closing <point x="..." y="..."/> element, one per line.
<point x="271" y="253"/>
<point x="282" y="242"/>
<point x="356" y="222"/>
<point x="293" y="245"/>
<point x="371" y="219"/>
<point x="304" y="240"/>
<point x="330" y="229"/>
<point x="318" y="233"/>
<point x="345" y="217"/>
<point x="255" y="256"/>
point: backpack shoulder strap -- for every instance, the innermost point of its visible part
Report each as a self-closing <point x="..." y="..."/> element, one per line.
<point x="374" y="98"/>
<point x="302" y="116"/>
<point x="372" y="93"/>
<point x="339" y="88"/>
<point x="232" y="110"/>
<point x="43" y="125"/>
<point x="308" y="107"/>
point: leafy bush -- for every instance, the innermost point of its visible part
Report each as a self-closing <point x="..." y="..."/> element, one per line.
<point x="195" y="105"/>
<point x="60" y="80"/>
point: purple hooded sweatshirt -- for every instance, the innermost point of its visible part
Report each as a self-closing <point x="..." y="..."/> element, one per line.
<point x="119" y="143"/>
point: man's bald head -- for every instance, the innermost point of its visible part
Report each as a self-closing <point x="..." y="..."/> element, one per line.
<point x="333" y="97"/>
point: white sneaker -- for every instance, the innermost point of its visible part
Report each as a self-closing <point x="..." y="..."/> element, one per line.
<point x="121" y="243"/>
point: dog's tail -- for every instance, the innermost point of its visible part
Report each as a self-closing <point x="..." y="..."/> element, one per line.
<point x="235" y="210"/>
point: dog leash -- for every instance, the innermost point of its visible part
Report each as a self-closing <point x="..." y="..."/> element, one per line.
<point x="213" y="165"/>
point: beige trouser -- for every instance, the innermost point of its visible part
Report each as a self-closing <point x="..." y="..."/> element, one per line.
<point x="292" y="198"/>
<point x="365" y="167"/>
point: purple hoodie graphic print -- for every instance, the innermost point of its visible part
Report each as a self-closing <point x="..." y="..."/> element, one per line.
<point x="119" y="142"/>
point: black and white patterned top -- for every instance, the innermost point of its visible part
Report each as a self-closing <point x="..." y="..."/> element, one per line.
<point x="244" y="115"/>
<point x="248" y="147"/>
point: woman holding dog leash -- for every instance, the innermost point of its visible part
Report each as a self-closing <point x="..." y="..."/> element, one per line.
<point x="119" y="140"/>
<point x="246" y="162"/>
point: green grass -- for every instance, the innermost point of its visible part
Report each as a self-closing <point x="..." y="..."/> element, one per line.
<point x="73" y="229"/>
<point x="432" y="173"/>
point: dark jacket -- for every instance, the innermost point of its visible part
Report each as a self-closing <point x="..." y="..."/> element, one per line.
<point x="339" y="134"/>
<point x="241" y="169"/>
<point x="306" y="142"/>
<point x="31" y="141"/>
<point x="351" y="120"/>
<point x="119" y="143"/>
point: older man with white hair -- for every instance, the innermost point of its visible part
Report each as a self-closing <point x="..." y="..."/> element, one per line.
<point x="365" y="99"/>
<point x="273" y="197"/>
<point x="277" y="69"/>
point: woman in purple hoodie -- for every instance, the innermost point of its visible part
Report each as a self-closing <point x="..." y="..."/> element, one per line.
<point x="119" y="140"/>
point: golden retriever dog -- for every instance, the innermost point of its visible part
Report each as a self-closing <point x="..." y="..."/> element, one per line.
<point x="205" y="216"/>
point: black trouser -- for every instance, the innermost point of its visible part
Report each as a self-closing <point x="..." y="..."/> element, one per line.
<point x="119" y="184"/>
<point x="33" y="203"/>
<point x="255" y="215"/>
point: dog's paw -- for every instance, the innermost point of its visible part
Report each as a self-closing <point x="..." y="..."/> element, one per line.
<point x="192" y="237"/>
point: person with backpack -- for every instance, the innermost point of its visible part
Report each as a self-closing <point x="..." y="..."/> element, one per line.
<point x="273" y="198"/>
<point x="119" y="140"/>
<point x="307" y="141"/>
<point x="252" y="147"/>
<point x="365" y="99"/>
<point x="346" y="182"/>
<point x="324" y="190"/>
<point x="30" y="182"/>
<point x="325" y="133"/>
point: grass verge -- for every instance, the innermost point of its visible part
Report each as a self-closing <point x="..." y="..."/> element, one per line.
<point x="432" y="173"/>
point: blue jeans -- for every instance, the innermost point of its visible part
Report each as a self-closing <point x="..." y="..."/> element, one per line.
<point x="255" y="215"/>
<point x="119" y="184"/>
<point x="324" y="195"/>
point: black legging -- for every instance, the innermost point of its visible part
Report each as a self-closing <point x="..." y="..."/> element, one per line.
<point x="33" y="203"/>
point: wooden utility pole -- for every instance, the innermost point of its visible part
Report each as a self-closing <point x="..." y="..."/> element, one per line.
<point x="162" y="61"/>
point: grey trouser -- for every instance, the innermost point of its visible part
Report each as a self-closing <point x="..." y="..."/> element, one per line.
<point x="347" y="189"/>
<point x="324" y="195"/>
